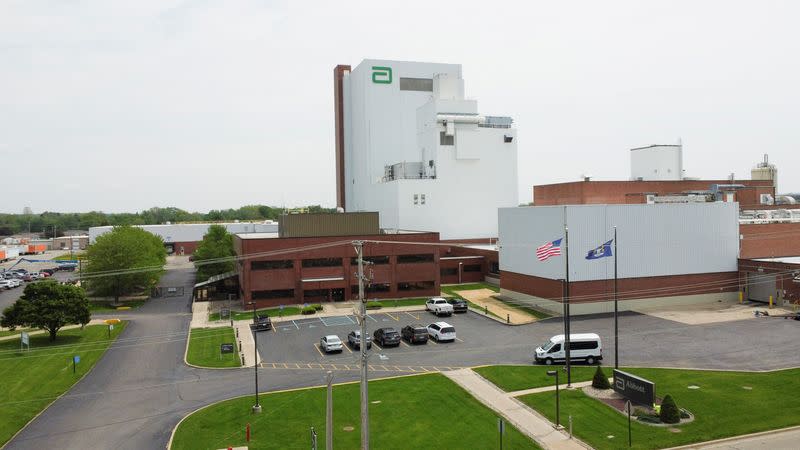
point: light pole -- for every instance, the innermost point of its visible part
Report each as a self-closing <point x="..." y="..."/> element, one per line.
<point x="359" y="247"/>
<point x="554" y="373"/>
<point x="257" y="406"/>
<point x="329" y="415"/>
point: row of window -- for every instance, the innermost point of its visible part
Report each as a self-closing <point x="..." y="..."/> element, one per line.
<point x="368" y="289"/>
<point x="337" y="262"/>
<point x="465" y="268"/>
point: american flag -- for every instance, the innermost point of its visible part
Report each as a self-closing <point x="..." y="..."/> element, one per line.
<point x="550" y="249"/>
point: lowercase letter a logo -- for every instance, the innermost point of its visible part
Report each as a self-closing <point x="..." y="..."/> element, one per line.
<point x="381" y="75"/>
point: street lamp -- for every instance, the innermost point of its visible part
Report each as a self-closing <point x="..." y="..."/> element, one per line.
<point x="554" y="373"/>
<point x="257" y="406"/>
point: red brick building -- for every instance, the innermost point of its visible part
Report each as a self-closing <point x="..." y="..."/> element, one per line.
<point x="617" y="192"/>
<point x="276" y="271"/>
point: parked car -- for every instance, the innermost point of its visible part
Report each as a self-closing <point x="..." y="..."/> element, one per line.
<point x="354" y="339"/>
<point x="415" y="334"/>
<point x="5" y="284"/>
<point x="442" y="331"/>
<point x="262" y="323"/>
<point x="582" y="347"/>
<point x="386" y="337"/>
<point x="330" y="343"/>
<point x="439" y="306"/>
<point x="15" y="282"/>
<point x="50" y="271"/>
<point x="459" y="305"/>
<point x="44" y="274"/>
<point x="28" y="277"/>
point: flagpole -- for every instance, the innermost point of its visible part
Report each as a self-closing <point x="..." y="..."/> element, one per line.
<point x="616" y="310"/>
<point x="566" y="308"/>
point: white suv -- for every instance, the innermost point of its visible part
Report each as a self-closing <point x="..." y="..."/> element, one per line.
<point x="330" y="343"/>
<point x="442" y="331"/>
<point x="5" y="284"/>
<point x="439" y="306"/>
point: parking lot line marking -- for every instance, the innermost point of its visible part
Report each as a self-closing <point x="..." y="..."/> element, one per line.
<point x="417" y="317"/>
<point x="318" y="350"/>
<point x="351" y="320"/>
<point x="381" y="348"/>
<point x="459" y="340"/>
<point x="295" y="324"/>
<point x="370" y="317"/>
<point x="431" y="341"/>
<point x="323" y="321"/>
<point x="437" y="369"/>
<point x="334" y="366"/>
<point x="309" y="365"/>
<point x="273" y="329"/>
<point x="393" y="317"/>
<point x="384" y="368"/>
<point x="285" y="366"/>
<point x="347" y="347"/>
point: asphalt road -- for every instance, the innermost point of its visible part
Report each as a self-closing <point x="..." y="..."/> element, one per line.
<point x="141" y="388"/>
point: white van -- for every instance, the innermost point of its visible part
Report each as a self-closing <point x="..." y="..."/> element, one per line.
<point x="583" y="347"/>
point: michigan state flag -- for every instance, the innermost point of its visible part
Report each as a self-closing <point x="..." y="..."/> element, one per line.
<point x="601" y="252"/>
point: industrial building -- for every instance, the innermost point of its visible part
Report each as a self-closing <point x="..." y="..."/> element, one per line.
<point x="775" y="280"/>
<point x="183" y="238"/>
<point x="312" y="260"/>
<point x="411" y="146"/>
<point x="667" y="254"/>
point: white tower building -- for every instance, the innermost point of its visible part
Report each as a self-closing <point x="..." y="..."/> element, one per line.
<point x="411" y="146"/>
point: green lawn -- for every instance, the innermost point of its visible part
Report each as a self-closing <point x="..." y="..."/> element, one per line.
<point x="722" y="408"/>
<point x="74" y="257"/>
<point x="31" y="380"/>
<point x="517" y="378"/>
<point x="404" y="413"/>
<point x="391" y="303"/>
<point x="204" y="347"/>
<point x="452" y="288"/>
<point x="107" y="306"/>
<point x="272" y="312"/>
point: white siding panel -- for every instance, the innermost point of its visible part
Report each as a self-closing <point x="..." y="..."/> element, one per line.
<point x="653" y="240"/>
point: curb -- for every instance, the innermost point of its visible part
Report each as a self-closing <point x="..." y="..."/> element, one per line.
<point x="735" y="438"/>
<point x="186" y="354"/>
<point x="56" y="399"/>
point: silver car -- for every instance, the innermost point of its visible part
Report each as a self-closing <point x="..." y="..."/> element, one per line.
<point x="330" y="343"/>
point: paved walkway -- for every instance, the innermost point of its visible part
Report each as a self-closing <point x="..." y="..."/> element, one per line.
<point x="767" y="440"/>
<point x="519" y="415"/>
<point x="200" y="312"/>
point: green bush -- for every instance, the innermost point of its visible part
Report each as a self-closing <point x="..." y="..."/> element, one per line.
<point x="600" y="380"/>
<point x="308" y="310"/>
<point x="669" y="410"/>
<point x="374" y="305"/>
<point x="317" y="306"/>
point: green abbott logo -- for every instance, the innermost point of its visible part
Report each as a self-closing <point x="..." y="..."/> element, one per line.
<point x="381" y="75"/>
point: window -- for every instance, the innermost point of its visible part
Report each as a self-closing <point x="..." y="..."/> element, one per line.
<point x="448" y="330"/>
<point x="416" y="84"/>
<point x="371" y="288"/>
<point x="415" y="286"/>
<point x="435" y="327"/>
<point x="315" y="293"/>
<point x="413" y="259"/>
<point x="449" y="272"/>
<point x="416" y="199"/>
<point x="377" y="260"/>
<point x="422" y="199"/>
<point x="271" y="265"/>
<point x="446" y="140"/>
<point x="322" y="262"/>
<point x="556" y="348"/>
<point x="472" y="268"/>
<point x="586" y="345"/>
<point x="278" y="293"/>
<point x="494" y="267"/>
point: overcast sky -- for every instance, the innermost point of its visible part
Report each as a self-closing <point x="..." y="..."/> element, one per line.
<point x="123" y="105"/>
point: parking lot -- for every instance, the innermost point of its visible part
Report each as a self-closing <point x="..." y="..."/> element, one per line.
<point x="644" y="341"/>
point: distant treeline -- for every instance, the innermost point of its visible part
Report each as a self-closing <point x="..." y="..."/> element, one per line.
<point x="43" y="223"/>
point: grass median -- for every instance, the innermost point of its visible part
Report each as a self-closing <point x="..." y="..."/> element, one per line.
<point x="724" y="404"/>
<point x="204" y="347"/>
<point x="426" y="411"/>
<point x="31" y="380"/>
<point x="518" y="378"/>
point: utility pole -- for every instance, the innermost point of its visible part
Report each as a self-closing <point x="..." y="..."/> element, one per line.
<point x="616" y="309"/>
<point x="329" y="415"/>
<point x="567" y="331"/>
<point x="362" y="316"/>
<point x="257" y="406"/>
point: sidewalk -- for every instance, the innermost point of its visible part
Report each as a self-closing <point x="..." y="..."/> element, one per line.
<point x="519" y="415"/>
<point x="200" y="320"/>
<point x="767" y="440"/>
<point x="484" y="298"/>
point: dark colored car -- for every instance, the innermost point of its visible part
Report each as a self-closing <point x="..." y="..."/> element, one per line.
<point x="49" y="271"/>
<point x="263" y="323"/>
<point x="459" y="305"/>
<point x="415" y="334"/>
<point x="354" y="339"/>
<point x="386" y="337"/>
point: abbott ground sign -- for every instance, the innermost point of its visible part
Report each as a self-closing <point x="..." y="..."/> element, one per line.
<point x="636" y="389"/>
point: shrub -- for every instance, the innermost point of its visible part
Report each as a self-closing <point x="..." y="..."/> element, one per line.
<point x="669" y="410"/>
<point x="308" y="310"/>
<point x="374" y="305"/>
<point x="600" y="380"/>
<point x="317" y="306"/>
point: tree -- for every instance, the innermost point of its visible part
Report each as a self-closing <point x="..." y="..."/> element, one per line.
<point x="48" y="305"/>
<point x="215" y="253"/>
<point x="600" y="380"/>
<point x="669" y="410"/>
<point x="124" y="261"/>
